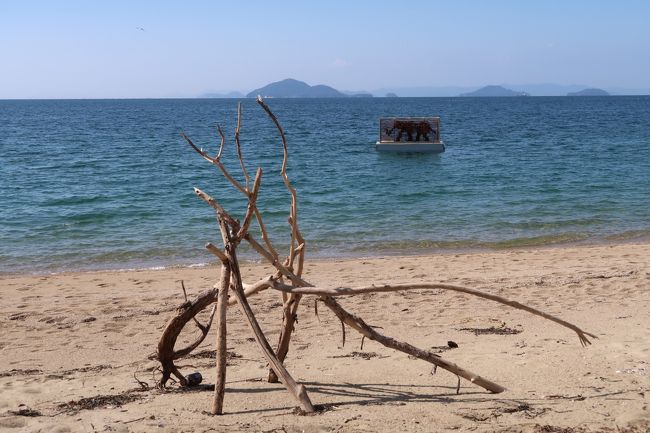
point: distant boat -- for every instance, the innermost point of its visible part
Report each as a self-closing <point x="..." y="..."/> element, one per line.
<point x="410" y="134"/>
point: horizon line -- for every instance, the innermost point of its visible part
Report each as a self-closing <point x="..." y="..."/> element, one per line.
<point x="310" y="97"/>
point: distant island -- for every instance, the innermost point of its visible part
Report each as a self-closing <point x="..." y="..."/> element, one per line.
<point x="291" y="88"/>
<point x="589" y="92"/>
<point x="490" y="91"/>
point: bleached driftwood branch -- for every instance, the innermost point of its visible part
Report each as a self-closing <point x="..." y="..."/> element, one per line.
<point x="344" y="291"/>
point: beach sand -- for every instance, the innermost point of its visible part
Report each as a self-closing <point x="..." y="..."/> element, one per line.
<point x="72" y="343"/>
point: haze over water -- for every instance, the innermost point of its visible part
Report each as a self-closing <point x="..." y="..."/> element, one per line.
<point x="94" y="184"/>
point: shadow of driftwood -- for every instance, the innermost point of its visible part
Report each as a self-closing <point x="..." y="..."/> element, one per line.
<point x="329" y="396"/>
<point x="361" y="394"/>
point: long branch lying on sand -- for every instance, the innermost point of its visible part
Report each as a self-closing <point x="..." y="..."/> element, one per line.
<point x="290" y="269"/>
<point x="343" y="291"/>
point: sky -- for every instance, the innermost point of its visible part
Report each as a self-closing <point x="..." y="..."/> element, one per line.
<point x="151" y="49"/>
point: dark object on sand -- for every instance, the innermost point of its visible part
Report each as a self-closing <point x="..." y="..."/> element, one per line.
<point x="452" y="345"/>
<point x="194" y="379"/>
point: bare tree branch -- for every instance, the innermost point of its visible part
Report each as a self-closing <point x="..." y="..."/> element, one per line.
<point x="296" y="237"/>
<point x="217" y="160"/>
<point x="358" y="324"/>
<point x="238" y="145"/>
<point x="344" y="291"/>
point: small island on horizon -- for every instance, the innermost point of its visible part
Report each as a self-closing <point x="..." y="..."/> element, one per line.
<point x="292" y="88"/>
<point x="493" y="91"/>
<point x="589" y="92"/>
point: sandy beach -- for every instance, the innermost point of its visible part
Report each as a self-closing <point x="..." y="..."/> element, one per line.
<point x="72" y="343"/>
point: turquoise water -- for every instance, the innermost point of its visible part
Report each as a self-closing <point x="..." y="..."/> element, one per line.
<point x="94" y="184"/>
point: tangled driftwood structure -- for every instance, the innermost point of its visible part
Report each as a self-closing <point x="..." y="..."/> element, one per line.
<point x="288" y="280"/>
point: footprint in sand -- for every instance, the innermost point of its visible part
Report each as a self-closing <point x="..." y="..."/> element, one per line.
<point x="13" y="422"/>
<point x="114" y="327"/>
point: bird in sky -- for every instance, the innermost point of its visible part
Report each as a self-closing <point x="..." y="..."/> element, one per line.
<point x="140" y="28"/>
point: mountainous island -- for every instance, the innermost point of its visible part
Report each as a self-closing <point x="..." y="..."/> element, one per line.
<point x="589" y="92"/>
<point x="291" y="88"/>
<point x="491" y="91"/>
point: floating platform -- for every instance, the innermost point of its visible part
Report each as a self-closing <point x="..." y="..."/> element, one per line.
<point x="410" y="134"/>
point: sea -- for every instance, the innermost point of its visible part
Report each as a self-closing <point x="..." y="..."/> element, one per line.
<point x="108" y="184"/>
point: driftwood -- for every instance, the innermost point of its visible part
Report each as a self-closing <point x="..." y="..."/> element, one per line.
<point x="287" y="279"/>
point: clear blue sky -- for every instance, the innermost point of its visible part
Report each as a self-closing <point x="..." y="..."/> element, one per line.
<point x="94" y="49"/>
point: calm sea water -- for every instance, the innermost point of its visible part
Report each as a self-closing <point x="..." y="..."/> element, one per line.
<point x="91" y="184"/>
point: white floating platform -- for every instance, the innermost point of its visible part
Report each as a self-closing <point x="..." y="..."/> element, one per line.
<point x="410" y="134"/>
<point x="406" y="147"/>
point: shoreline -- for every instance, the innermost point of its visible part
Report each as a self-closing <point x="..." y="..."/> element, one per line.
<point x="84" y="335"/>
<point x="351" y="256"/>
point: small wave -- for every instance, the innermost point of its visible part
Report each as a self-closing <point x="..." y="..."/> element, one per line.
<point x="73" y="201"/>
<point x="157" y="267"/>
<point x="546" y="225"/>
<point x="539" y="241"/>
<point x="629" y="235"/>
<point x="472" y="244"/>
<point x="90" y="218"/>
